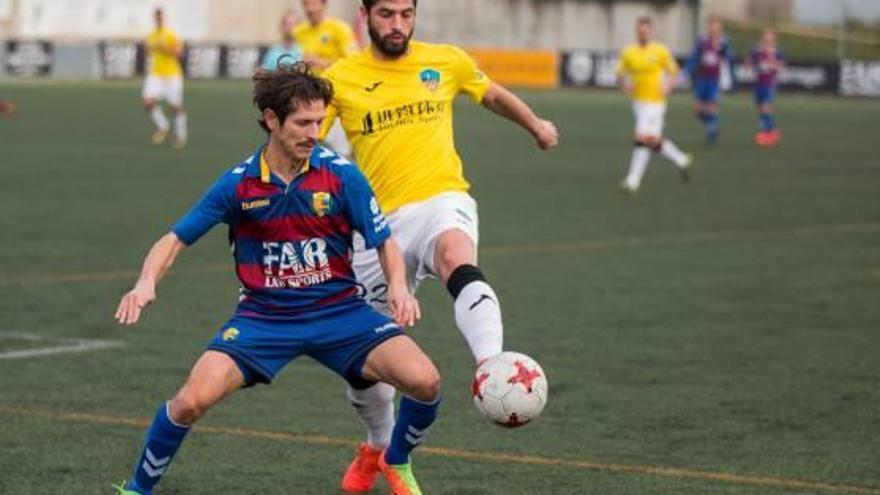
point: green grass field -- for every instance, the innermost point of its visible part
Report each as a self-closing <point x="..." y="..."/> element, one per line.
<point x="714" y="338"/>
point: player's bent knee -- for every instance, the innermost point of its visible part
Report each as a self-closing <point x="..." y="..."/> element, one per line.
<point x="425" y="384"/>
<point x="184" y="409"/>
<point x="454" y="249"/>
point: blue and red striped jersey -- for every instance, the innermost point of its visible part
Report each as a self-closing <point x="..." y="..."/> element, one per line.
<point x="292" y="243"/>
<point x="707" y="57"/>
<point x="766" y="63"/>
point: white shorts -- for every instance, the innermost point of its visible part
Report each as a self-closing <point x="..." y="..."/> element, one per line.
<point x="416" y="228"/>
<point x="159" y="88"/>
<point x="649" y="118"/>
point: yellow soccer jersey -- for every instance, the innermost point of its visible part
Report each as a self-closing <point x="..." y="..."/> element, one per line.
<point x="646" y="66"/>
<point x="330" y="40"/>
<point x="162" y="63"/>
<point x="398" y="116"/>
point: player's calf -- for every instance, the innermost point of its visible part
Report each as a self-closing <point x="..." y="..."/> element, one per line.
<point x="214" y="376"/>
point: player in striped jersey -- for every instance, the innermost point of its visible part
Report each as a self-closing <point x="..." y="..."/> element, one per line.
<point x="711" y="54"/>
<point x="291" y="208"/>
<point x="767" y="61"/>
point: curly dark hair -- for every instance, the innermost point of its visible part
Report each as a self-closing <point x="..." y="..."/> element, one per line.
<point x="282" y="89"/>
<point x="368" y="4"/>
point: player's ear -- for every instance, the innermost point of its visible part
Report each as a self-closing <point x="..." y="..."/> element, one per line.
<point x="271" y="120"/>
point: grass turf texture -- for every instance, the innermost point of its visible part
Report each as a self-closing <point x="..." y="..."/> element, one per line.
<point x="727" y="326"/>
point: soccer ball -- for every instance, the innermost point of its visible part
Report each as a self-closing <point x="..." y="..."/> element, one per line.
<point x="510" y="389"/>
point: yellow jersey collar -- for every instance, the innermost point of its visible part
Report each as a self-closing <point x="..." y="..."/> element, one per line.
<point x="266" y="172"/>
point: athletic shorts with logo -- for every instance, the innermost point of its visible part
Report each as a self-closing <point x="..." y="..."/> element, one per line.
<point x="416" y="228"/>
<point x="340" y="340"/>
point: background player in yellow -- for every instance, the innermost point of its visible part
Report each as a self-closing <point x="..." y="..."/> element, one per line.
<point x="395" y="102"/>
<point x="648" y="73"/>
<point x="164" y="81"/>
<point x="324" y="40"/>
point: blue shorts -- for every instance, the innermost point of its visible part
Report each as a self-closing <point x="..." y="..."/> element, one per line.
<point x="339" y="341"/>
<point x="764" y="94"/>
<point x="707" y="90"/>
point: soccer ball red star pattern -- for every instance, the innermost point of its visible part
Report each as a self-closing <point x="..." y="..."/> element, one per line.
<point x="510" y="389"/>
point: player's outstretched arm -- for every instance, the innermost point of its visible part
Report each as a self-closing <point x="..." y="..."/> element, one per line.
<point x="404" y="307"/>
<point x="156" y="264"/>
<point x="506" y="104"/>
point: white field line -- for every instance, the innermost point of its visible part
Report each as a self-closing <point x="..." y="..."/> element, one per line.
<point x="55" y="345"/>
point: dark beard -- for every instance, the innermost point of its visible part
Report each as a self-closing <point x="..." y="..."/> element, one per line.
<point x="386" y="46"/>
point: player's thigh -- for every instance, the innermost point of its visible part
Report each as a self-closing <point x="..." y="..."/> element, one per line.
<point x="400" y="362"/>
<point x="649" y="119"/>
<point x="172" y="91"/>
<point x="343" y="340"/>
<point x="764" y="97"/>
<point x="152" y="90"/>
<point x="372" y="286"/>
<point x="214" y="376"/>
<point x="447" y="217"/>
<point x="454" y="248"/>
<point x="707" y="92"/>
<point x="260" y="348"/>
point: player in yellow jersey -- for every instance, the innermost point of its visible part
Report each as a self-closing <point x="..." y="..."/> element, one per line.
<point x="395" y="100"/>
<point x="165" y="81"/>
<point x="648" y="73"/>
<point x="324" y="40"/>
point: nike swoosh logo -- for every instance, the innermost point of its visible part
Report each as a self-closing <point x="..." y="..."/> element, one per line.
<point x="482" y="298"/>
<point x="372" y="87"/>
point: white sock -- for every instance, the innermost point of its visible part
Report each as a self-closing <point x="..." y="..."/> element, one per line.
<point x="669" y="150"/>
<point x="180" y="126"/>
<point x="375" y="407"/>
<point x="159" y="119"/>
<point x="478" y="317"/>
<point x="637" y="165"/>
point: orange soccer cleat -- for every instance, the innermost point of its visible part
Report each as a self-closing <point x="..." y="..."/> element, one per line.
<point x="361" y="473"/>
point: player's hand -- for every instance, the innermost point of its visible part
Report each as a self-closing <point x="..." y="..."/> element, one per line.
<point x="131" y="305"/>
<point x="546" y="135"/>
<point x="404" y="307"/>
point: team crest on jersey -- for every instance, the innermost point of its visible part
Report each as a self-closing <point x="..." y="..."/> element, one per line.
<point x="230" y="334"/>
<point x="430" y="78"/>
<point x="321" y="203"/>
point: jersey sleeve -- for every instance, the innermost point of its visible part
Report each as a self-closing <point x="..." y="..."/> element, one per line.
<point x="362" y="208"/>
<point x="669" y="63"/>
<point x="345" y="38"/>
<point x="172" y="41"/>
<point x="622" y="68"/>
<point x="727" y="50"/>
<point x="215" y="206"/>
<point x="690" y="66"/>
<point x="471" y="79"/>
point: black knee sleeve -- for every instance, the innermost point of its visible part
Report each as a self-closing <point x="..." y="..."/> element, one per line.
<point x="462" y="276"/>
